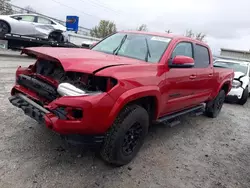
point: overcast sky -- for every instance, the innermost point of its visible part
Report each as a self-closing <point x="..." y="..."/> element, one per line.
<point x="225" y="22"/>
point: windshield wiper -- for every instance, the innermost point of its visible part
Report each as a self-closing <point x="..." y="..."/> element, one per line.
<point x="116" y="50"/>
<point x="148" y="51"/>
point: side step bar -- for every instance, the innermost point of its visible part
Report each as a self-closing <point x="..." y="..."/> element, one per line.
<point x="199" y="108"/>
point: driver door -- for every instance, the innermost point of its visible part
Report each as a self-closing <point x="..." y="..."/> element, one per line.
<point x="24" y="25"/>
<point x="180" y="82"/>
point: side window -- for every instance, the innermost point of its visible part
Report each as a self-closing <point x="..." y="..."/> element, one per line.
<point x="43" y="20"/>
<point x="201" y="56"/>
<point x="184" y="49"/>
<point x="27" y="18"/>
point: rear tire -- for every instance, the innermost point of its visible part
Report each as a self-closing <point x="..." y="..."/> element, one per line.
<point x="244" y="97"/>
<point x="213" y="107"/>
<point x="126" y="136"/>
<point x="4" y="28"/>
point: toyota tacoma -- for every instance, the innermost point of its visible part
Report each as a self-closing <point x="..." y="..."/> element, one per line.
<point x="111" y="94"/>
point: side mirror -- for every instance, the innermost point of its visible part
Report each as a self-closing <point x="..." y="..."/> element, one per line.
<point x="181" y="62"/>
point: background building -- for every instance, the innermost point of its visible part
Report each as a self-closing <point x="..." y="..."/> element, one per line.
<point x="234" y="54"/>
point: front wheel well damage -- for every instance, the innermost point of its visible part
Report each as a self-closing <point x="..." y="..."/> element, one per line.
<point x="149" y="103"/>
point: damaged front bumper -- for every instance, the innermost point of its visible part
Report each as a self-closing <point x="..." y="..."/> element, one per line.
<point x="29" y="107"/>
<point x="235" y="94"/>
<point x="74" y="131"/>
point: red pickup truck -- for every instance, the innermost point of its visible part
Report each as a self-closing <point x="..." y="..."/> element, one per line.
<point x="110" y="94"/>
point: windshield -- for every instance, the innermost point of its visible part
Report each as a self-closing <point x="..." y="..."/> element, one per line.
<point x="143" y="47"/>
<point x="237" y="67"/>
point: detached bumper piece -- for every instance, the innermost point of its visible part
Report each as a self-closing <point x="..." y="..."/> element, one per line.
<point x="41" y="114"/>
<point x="29" y="107"/>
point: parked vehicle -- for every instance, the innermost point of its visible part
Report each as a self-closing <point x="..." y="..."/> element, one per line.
<point x="239" y="91"/>
<point x="33" y="25"/>
<point x="88" y="43"/>
<point x="112" y="93"/>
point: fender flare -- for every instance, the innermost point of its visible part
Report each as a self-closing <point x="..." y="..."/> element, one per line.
<point x="221" y="85"/>
<point x="132" y="95"/>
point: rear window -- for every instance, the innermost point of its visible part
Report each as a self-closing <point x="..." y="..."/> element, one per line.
<point x="202" y="58"/>
<point x="43" y="20"/>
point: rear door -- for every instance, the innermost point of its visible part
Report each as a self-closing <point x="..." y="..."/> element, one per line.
<point x="204" y="71"/>
<point x="180" y="82"/>
<point x="43" y="27"/>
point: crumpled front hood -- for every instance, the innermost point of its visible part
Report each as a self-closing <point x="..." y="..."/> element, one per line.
<point x="238" y="75"/>
<point x="80" y="60"/>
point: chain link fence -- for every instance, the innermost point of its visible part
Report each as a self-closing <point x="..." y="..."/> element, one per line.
<point x="8" y="8"/>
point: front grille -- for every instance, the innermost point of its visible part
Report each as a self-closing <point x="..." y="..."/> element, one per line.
<point x="42" y="89"/>
<point x="50" y="69"/>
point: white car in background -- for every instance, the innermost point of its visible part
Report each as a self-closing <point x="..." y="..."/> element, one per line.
<point x="240" y="89"/>
<point x="33" y="25"/>
<point x="88" y="43"/>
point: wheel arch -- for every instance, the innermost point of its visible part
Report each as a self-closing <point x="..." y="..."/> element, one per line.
<point x="7" y="24"/>
<point x="56" y="31"/>
<point x="226" y="87"/>
<point x="148" y="97"/>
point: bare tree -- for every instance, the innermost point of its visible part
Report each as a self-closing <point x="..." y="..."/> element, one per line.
<point x="29" y="9"/>
<point x="198" y="36"/>
<point x="189" y="33"/>
<point x="5" y="7"/>
<point x="142" y="27"/>
<point x="168" y="31"/>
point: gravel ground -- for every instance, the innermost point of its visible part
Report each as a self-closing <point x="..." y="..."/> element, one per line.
<point x="199" y="152"/>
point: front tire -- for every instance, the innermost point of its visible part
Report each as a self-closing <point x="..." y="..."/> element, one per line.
<point x="213" y="107"/>
<point x="126" y="136"/>
<point x="244" y="96"/>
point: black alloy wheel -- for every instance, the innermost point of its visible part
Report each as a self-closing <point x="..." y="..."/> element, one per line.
<point x="132" y="138"/>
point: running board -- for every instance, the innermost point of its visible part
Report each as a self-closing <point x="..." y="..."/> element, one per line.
<point x="197" y="110"/>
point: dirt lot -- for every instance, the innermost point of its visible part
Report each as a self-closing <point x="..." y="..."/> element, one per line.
<point x="200" y="152"/>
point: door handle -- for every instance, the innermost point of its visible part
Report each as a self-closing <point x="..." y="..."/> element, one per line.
<point x="192" y="77"/>
<point x="210" y="75"/>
